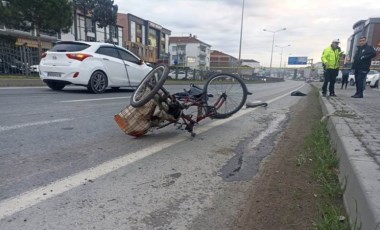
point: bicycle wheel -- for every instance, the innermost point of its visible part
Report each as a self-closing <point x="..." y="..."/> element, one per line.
<point x="149" y="86"/>
<point x="227" y="94"/>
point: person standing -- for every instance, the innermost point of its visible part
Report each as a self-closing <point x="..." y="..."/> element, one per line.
<point x="361" y="64"/>
<point x="346" y="72"/>
<point x="331" y="61"/>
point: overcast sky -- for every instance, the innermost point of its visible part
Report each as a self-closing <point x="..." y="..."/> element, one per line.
<point x="311" y="24"/>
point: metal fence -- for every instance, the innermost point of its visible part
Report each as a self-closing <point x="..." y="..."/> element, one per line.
<point x="18" y="60"/>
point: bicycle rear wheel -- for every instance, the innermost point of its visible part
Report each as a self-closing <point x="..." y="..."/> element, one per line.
<point x="149" y="86"/>
<point x="227" y="94"/>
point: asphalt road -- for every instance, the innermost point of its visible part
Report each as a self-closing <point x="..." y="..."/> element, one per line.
<point x="65" y="164"/>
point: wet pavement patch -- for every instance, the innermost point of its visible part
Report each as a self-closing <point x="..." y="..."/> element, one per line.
<point x="244" y="165"/>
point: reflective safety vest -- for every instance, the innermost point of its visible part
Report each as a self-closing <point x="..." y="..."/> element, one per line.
<point x="331" y="58"/>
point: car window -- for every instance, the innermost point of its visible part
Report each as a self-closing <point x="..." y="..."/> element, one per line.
<point x="108" y="51"/>
<point x="69" y="47"/>
<point x="128" y="57"/>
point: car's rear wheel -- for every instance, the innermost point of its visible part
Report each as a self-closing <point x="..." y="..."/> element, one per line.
<point x="56" y="85"/>
<point x="98" y="82"/>
<point x="352" y="82"/>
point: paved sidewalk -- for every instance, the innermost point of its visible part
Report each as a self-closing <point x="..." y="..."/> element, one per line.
<point x="354" y="126"/>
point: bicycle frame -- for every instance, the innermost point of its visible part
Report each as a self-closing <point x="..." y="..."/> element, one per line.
<point x="188" y="101"/>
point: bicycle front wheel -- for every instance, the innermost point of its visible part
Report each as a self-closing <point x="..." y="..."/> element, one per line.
<point x="226" y="94"/>
<point x="149" y="86"/>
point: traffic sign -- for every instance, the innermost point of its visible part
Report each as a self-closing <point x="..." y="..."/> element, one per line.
<point x="297" y="61"/>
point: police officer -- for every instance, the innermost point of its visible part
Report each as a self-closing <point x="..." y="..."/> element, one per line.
<point x="331" y="62"/>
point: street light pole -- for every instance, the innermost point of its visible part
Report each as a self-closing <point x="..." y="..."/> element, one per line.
<point x="271" y="56"/>
<point x="241" y="36"/>
<point x="241" y="30"/>
<point x="282" y="49"/>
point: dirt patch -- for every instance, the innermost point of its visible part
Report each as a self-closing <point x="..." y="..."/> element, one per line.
<point x="283" y="195"/>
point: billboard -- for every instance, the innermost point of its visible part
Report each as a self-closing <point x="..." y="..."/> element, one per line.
<point x="297" y="61"/>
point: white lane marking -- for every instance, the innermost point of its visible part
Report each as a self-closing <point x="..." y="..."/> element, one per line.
<point x="6" y="128"/>
<point x="35" y="196"/>
<point x="96" y="99"/>
<point x="27" y="199"/>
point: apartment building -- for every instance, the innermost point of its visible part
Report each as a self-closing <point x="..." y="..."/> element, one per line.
<point x="189" y="52"/>
<point x="145" y="38"/>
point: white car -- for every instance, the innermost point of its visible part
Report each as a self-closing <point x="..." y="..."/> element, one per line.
<point x="95" y="65"/>
<point x="34" y="68"/>
<point x="372" y="78"/>
<point x="181" y="74"/>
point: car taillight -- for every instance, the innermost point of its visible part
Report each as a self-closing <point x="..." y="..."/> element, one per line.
<point x="79" y="57"/>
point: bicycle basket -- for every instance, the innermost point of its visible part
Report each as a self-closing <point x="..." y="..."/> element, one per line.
<point x="136" y="121"/>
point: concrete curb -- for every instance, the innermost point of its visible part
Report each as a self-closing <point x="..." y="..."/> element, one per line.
<point x="358" y="171"/>
<point x="21" y="82"/>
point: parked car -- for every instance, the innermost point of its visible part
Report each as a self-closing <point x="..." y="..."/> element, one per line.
<point x="9" y="68"/>
<point x="95" y="65"/>
<point x="372" y="78"/>
<point x="181" y="74"/>
<point x="34" y="69"/>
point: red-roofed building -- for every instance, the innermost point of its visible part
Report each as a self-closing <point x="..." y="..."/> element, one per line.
<point x="220" y="61"/>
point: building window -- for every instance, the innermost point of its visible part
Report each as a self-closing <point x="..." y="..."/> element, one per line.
<point x="152" y="37"/>
<point x="139" y="33"/>
<point x="113" y="31"/>
<point x="191" y="59"/>
<point x="91" y="39"/>
<point x="90" y="25"/>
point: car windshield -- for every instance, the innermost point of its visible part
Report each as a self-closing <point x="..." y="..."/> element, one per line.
<point x="69" y="47"/>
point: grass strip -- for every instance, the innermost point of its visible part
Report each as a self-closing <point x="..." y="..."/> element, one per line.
<point x="325" y="169"/>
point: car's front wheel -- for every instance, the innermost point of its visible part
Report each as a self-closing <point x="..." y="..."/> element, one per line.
<point x="98" y="82"/>
<point x="56" y="85"/>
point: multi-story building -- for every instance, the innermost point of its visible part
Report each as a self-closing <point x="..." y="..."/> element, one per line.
<point x="146" y="39"/>
<point x="189" y="52"/>
<point x="371" y="29"/>
<point x="78" y="31"/>
<point x="223" y="62"/>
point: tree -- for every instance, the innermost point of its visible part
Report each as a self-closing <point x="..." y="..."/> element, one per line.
<point x="105" y="14"/>
<point x="87" y="8"/>
<point x="39" y="15"/>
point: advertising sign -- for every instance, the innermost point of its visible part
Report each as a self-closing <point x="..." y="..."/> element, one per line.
<point x="376" y="42"/>
<point x="297" y="61"/>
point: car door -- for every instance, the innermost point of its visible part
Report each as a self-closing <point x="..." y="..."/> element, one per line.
<point x="116" y="71"/>
<point x="136" y="69"/>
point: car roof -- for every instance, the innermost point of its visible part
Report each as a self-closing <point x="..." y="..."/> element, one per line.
<point x="97" y="44"/>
